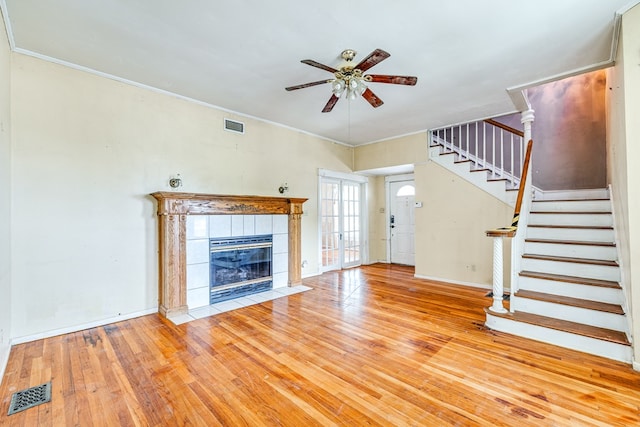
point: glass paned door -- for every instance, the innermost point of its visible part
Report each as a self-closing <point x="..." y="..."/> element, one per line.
<point x="330" y="214"/>
<point x="351" y="224"/>
<point x="341" y="224"/>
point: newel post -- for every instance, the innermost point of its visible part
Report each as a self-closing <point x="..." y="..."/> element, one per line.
<point x="498" y="236"/>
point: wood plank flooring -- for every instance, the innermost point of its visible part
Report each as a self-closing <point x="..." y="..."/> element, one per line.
<point x="366" y="346"/>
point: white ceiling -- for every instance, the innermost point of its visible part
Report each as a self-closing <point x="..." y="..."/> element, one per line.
<point x="239" y="55"/>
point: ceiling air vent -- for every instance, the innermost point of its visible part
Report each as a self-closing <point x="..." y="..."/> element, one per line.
<point x="233" y="126"/>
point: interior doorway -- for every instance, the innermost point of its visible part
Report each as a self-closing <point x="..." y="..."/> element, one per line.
<point x="401" y="220"/>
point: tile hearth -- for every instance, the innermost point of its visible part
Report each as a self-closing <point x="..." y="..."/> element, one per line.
<point x="234" y="304"/>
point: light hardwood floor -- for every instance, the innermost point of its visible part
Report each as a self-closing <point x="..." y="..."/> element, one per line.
<point x="366" y="346"/>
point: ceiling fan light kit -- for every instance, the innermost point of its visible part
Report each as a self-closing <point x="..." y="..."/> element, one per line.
<point x="350" y="81"/>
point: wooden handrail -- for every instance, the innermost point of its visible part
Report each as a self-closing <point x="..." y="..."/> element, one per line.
<point x="511" y="231"/>
<point x="505" y="127"/>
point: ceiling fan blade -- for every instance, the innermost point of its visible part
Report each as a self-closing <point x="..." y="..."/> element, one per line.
<point x="396" y="80"/>
<point x="374" y="57"/>
<point x="332" y="102"/>
<point x="372" y="98"/>
<point x="318" y="65"/>
<point x="302" y="86"/>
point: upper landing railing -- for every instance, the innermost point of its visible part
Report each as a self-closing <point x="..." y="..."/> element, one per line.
<point x="490" y="145"/>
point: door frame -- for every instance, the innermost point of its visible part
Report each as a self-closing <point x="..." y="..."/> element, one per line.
<point x="387" y="180"/>
<point x="364" y="217"/>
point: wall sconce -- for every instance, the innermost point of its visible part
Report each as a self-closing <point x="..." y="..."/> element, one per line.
<point x="283" y="188"/>
<point x="175" y="182"/>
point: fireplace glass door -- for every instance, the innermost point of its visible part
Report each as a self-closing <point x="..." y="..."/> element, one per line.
<point x="240" y="266"/>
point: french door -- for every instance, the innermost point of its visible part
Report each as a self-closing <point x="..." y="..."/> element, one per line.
<point x="341" y="223"/>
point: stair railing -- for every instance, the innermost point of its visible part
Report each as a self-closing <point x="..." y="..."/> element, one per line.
<point x="488" y="144"/>
<point x="499" y="234"/>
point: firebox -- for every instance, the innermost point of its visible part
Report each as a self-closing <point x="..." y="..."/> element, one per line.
<point x="240" y="266"/>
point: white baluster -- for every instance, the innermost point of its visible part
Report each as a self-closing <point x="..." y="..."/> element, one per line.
<point x="512" y="172"/>
<point x="502" y="153"/>
<point x="484" y="145"/>
<point x="476" y="151"/>
<point x="467" y="154"/>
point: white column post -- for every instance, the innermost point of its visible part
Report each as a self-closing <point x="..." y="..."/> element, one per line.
<point x="498" y="287"/>
<point x="526" y="118"/>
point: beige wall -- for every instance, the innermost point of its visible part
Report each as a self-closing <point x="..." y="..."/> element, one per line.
<point x="5" y="197"/>
<point x="89" y="150"/>
<point x="624" y="155"/>
<point x="450" y="227"/>
<point x="406" y="150"/>
<point x="377" y="220"/>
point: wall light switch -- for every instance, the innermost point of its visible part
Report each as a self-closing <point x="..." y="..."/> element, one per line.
<point x="417" y="204"/>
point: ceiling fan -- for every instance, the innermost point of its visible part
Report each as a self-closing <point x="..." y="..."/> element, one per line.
<point x="351" y="81"/>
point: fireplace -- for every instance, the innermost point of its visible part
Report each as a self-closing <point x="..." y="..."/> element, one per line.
<point x="173" y="210"/>
<point x="240" y="266"/>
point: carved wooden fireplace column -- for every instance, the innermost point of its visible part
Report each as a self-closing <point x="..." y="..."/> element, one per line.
<point x="173" y="209"/>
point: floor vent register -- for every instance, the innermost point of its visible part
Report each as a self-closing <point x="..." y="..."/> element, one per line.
<point x="30" y="397"/>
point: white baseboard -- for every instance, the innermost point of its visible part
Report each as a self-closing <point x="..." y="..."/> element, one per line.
<point x="4" y="359"/>
<point x="636" y="365"/>
<point x="456" y="282"/>
<point x="76" y="328"/>
<point x="305" y="276"/>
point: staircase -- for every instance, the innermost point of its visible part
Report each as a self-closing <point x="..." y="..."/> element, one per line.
<point x="485" y="153"/>
<point x="568" y="291"/>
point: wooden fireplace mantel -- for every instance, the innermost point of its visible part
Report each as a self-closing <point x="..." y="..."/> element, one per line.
<point x="173" y="209"/>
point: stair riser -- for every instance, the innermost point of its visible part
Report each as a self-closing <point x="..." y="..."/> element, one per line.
<point x="591" y="235"/>
<point x="572" y="269"/>
<point x="608" y="253"/>
<point x="572" y="206"/>
<point x="607" y="349"/>
<point x="600" y="319"/>
<point x="591" y="220"/>
<point x="553" y="287"/>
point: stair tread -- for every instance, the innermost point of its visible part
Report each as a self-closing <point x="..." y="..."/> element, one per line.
<point x="571" y="259"/>
<point x="571" y="242"/>
<point x="570" y="301"/>
<point x="565" y="326"/>
<point x="593" y="199"/>
<point x="462" y="161"/>
<point x="580" y="227"/>
<point x="480" y="170"/>
<point x="571" y="279"/>
<point x="571" y="212"/>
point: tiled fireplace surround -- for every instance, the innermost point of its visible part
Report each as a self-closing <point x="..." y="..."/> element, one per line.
<point x="200" y="228"/>
<point x="188" y="220"/>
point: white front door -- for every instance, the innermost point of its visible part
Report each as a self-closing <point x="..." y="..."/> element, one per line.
<point x="401" y="222"/>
